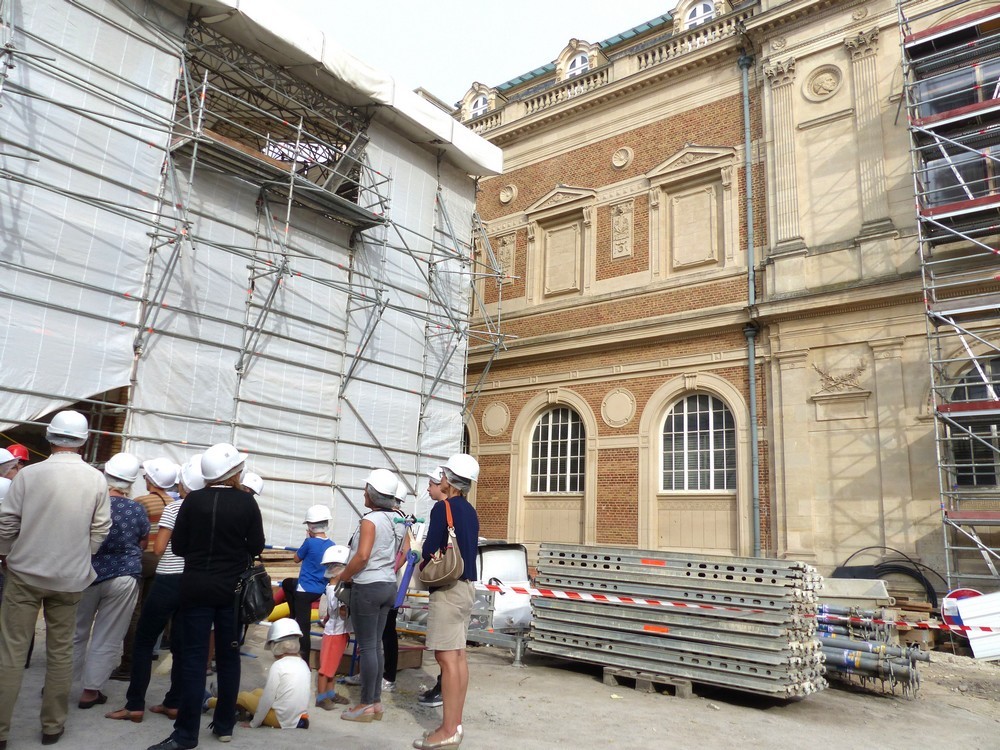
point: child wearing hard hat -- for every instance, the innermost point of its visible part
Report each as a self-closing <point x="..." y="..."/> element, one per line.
<point x="283" y="702"/>
<point x="302" y="592"/>
<point x="336" y="630"/>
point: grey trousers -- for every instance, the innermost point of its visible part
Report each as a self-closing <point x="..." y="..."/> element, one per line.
<point x="102" y="619"/>
<point x="18" y="616"/>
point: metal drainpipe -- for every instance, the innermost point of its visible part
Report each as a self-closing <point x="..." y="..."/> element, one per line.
<point x="746" y="62"/>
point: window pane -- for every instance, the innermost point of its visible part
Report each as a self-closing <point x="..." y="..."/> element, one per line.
<point x="558" y="443"/>
<point x="699" y="445"/>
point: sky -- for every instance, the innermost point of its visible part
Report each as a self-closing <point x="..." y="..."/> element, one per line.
<point x="445" y="45"/>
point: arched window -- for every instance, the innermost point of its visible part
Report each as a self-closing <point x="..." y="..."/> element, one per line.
<point x="700" y="13"/>
<point x="699" y="446"/>
<point x="479" y="106"/>
<point x="579" y="65"/>
<point x="975" y="439"/>
<point x="558" y="443"/>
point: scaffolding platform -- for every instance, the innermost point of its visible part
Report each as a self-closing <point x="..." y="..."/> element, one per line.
<point x="951" y="73"/>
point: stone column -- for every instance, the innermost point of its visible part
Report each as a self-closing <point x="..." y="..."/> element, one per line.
<point x="781" y="75"/>
<point x="868" y="125"/>
<point x="794" y="486"/>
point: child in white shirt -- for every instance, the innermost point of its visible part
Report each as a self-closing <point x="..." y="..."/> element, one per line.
<point x="336" y="631"/>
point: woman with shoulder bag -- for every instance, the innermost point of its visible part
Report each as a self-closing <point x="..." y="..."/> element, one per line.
<point x="371" y="572"/>
<point x="450" y="605"/>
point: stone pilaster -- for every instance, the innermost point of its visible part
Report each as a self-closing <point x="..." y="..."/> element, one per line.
<point x="787" y="236"/>
<point x="874" y="200"/>
<point x="796" y="497"/>
<point x="895" y="501"/>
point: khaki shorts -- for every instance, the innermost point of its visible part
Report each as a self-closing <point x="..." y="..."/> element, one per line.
<point x="448" y="616"/>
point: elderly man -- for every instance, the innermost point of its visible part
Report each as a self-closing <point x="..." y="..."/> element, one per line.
<point x="55" y="516"/>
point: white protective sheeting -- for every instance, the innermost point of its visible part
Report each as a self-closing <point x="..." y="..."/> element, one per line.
<point x="295" y="45"/>
<point x="71" y="188"/>
<point x="266" y="336"/>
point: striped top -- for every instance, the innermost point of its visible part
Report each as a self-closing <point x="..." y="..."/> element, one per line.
<point x="170" y="564"/>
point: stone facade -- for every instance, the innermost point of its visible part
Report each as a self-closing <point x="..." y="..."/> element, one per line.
<point x="621" y="218"/>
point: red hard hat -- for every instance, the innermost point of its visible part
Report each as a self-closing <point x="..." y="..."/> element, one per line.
<point x="18" y="451"/>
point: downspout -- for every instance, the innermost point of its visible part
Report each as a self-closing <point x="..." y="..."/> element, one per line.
<point x="746" y="62"/>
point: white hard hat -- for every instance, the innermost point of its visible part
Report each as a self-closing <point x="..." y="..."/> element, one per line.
<point x="253" y="482"/>
<point x="123" y="466"/>
<point x="6" y="456"/>
<point x="68" y="427"/>
<point x="161" y="471"/>
<point x="436" y="475"/>
<point x="191" y="473"/>
<point x="4" y="486"/>
<point x="318" y="514"/>
<point x="282" y="628"/>
<point x="463" y="465"/>
<point x="383" y="481"/>
<point x="220" y="462"/>
<point x="401" y="491"/>
<point x="338" y="553"/>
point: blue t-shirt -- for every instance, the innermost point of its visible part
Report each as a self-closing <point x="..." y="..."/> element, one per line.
<point x="311" y="579"/>
<point x="120" y="554"/>
<point x="466" y="532"/>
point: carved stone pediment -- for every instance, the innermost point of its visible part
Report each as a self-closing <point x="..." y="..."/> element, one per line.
<point x="690" y="160"/>
<point x="563" y="196"/>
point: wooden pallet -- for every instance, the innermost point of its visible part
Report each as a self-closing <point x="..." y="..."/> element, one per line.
<point x="648" y="682"/>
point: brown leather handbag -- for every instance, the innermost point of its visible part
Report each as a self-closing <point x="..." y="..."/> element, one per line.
<point x="446" y="565"/>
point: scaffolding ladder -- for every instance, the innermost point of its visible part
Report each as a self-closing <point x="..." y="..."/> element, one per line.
<point x="951" y="73"/>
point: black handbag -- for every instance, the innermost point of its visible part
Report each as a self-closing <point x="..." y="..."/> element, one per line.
<point x="254" y="595"/>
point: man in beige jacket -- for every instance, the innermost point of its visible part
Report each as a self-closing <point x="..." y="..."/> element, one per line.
<point x="55" y="516"/>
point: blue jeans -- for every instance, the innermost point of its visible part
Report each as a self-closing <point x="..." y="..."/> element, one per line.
<point x="370" y="605"/>
<point x="160" y="607"/>
<point x="196" y="628"/>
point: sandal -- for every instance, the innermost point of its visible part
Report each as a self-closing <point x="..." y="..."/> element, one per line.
<point x="159" y="708"/>
<point x="123" y="714"/>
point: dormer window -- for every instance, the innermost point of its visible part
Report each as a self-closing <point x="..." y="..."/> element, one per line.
<point x="579" y="65"/>
<point x="479" y="106"/>
<point x="700" y="13"/>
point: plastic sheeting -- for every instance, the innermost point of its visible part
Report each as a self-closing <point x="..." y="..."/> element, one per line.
<point x="84" y="140"/>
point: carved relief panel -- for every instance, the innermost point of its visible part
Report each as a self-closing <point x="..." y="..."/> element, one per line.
<point x="621" y="230"/>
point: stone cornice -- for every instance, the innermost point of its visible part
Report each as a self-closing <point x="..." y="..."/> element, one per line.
<point x="877" y="295"/>
<point x="716" y="52"/>
<point x="672" y="326"/>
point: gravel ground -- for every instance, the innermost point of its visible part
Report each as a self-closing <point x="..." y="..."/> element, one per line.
<point x="549" y="703"/>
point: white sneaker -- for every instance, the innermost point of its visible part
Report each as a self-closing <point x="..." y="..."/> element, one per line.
<point x="387" y="686"/>
<point x="354" y="679"/>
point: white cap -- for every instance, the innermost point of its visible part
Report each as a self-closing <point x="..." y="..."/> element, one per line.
<point x="401" y="491"/>
<point x="286" y="627"/>
<point x="383" y="481"/>
<point x="253" y="482"/>
<point x="67" y="428"/>
<point x="123" y="466"/>
<point x="436" y="474"/>
<point x="161" y="471"/>
<point x="318" y="514"/>
<point x="6" y="456"/>
<point x="221" y="461"/>
<point x="191" y="473"/>
<point x="338" y="553"/>
<point x="463" y="465"/>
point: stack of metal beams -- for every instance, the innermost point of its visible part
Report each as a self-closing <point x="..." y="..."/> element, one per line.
<point x="860" y="653"/>
<point x="758" y="635"/>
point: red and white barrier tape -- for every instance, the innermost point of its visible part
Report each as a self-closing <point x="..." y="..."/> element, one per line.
<point x="581" y="596"/>
<point x="919" y="625"/>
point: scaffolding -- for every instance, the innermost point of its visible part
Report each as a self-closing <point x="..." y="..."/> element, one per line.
<point x="257" y="259"/>
<point x="951" y="68"/>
